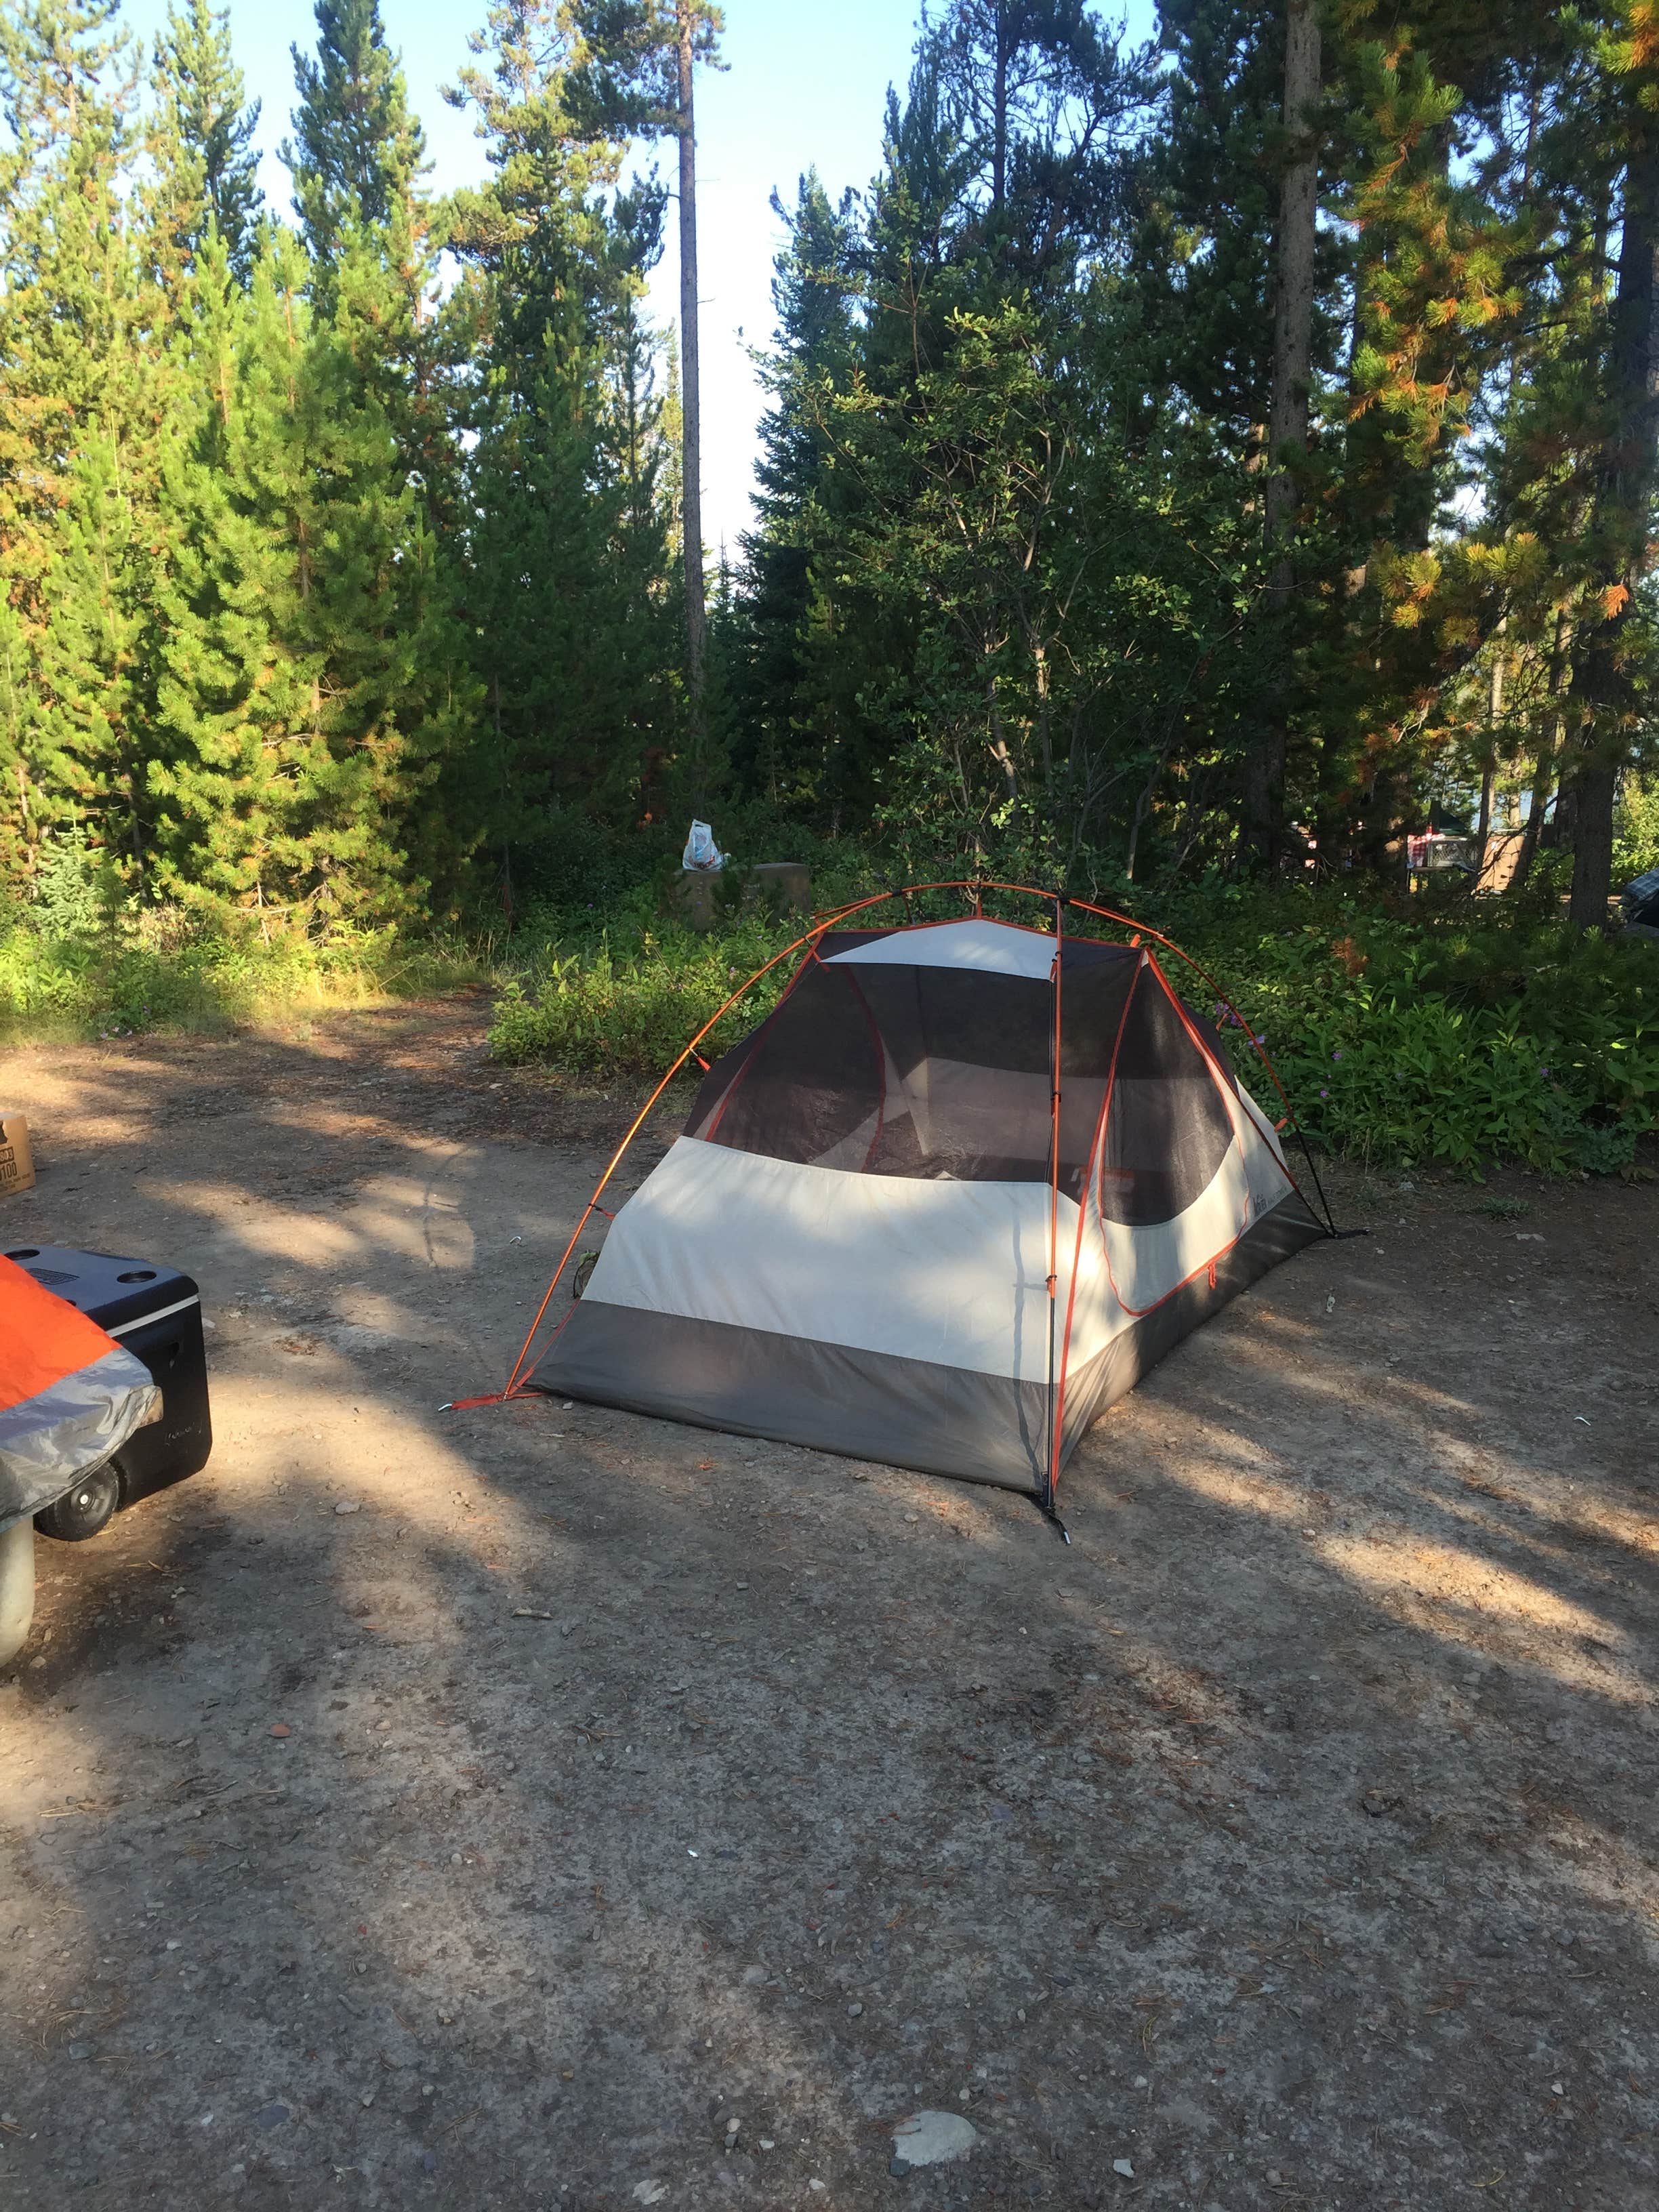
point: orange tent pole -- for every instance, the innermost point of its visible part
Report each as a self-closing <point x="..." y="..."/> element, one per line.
<point x="1082" y="1219"/>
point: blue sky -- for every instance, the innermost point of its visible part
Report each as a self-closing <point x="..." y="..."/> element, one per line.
<point x="806" y="85"/>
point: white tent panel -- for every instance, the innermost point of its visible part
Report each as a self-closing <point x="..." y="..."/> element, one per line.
<point x="1264" y="1157"/>
<point x="953" y="1273"/>
<point x="993" y="948"/>
<point x="1146" y="1264"/>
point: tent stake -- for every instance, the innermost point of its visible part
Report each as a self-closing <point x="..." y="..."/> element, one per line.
<point x="1046" y="1506"/>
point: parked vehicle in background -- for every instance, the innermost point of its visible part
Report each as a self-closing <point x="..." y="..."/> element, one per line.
<point x="1641" y="906"/>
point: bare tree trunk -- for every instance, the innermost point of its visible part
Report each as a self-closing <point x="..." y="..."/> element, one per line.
<point x="1293" y="289"/>
<point x="697" y="619"/>
<point x="1626" y="490"/>
<point x="1489" y="766"/>
<point x="1544" y="759"/>
<point x="1592" y="844"/>
<point x="997" y="741"/>
<point x="1005" y="37"/>
<point x="1287" y="427"/>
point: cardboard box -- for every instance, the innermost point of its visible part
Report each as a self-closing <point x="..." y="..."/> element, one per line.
<point x="16" y="1160"/>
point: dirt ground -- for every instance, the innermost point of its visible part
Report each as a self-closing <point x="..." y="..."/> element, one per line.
<point x="606" y="1813"/>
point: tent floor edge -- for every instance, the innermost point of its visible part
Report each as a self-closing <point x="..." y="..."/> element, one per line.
<point x="886" y="1408"/>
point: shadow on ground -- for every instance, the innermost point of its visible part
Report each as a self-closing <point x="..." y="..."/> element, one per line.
<point x="587" y="1784"/>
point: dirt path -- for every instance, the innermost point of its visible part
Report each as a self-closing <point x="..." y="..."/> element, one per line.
<point x="1288" y="1840"/>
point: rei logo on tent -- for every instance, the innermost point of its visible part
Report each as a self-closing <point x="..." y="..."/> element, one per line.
<point x="957" y="1193"/>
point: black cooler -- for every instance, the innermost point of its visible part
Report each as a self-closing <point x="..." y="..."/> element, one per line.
<point x="155" y="1313"/>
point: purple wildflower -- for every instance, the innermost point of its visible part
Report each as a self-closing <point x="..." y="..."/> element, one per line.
<point x="1324" y="1094"/>
<point x="1337" y="1054"/>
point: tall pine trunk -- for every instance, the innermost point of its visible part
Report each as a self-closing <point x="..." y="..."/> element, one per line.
<point x="1287" y="426"/>
<point x="1489" y="766"/>
<point x="1006" y="34"/>
<point x="1625" y="496"/>
<point x="1545" y="753"/>
<point x="696" y="620"/>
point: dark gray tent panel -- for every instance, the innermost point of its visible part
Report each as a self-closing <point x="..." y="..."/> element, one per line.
<point x="900" y="1225"/>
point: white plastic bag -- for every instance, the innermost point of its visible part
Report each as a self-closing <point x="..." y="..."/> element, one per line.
<point x="700" y="850"/>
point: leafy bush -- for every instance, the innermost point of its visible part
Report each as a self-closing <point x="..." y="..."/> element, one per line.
<point x="1636" y="829"/>
<point x="78" y="896"/>
<point x="166" y="968"/>
<point x="1404" y="1035"/>
<point x="599" y="1013"/>
<point x="1406" y="1032"/>
<point x="616" y="985"/>
<point x="1456" y="1038"/>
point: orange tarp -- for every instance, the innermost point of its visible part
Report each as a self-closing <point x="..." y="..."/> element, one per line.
<point x="42" y="1337"/>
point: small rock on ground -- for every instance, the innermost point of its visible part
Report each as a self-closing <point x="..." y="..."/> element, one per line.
<point x="931" y="2139"/>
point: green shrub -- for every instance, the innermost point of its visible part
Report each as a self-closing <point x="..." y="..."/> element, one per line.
<point x="1636" y="830"/>
<point x="1447" y="1033"/>
<point x="1464" y="1038"/>
<point x="598" y="1013"/>
<point x="168" y="968"/>
<point x="612" y="985"/>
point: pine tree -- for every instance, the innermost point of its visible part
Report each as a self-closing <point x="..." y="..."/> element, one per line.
<point x="568" y="478"/>
<point x="1204" y="200"/>
<point x="1295" y="259"/>
<point x="80" y="401"/>
<point x="358" y="152"/>
<point x="638" y="77"/>
<point x="551" y="243"/>
<point x="813" y="294"/>
<point x="574" y="655"/>
<point x="230" y="691"/>
<point x="314" y="679"/>
<point x="202" y="134"/>
<point x="1615" y="675"/>
<point x="1045" y="102"/>
<point x="93" y="654"/>
<point x="373" y="251"/>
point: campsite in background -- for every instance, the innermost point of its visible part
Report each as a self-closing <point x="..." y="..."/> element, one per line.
<point x="1200" y="474"/>
<point x="867" y="940"/>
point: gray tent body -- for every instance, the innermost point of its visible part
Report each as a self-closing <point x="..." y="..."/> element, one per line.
<point x="851" y="1245"/>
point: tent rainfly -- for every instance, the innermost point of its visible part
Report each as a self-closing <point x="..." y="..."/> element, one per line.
<point x="954" y="1195"/>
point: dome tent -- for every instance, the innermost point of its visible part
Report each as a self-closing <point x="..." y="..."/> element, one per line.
<point x="955" y="1194"/>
